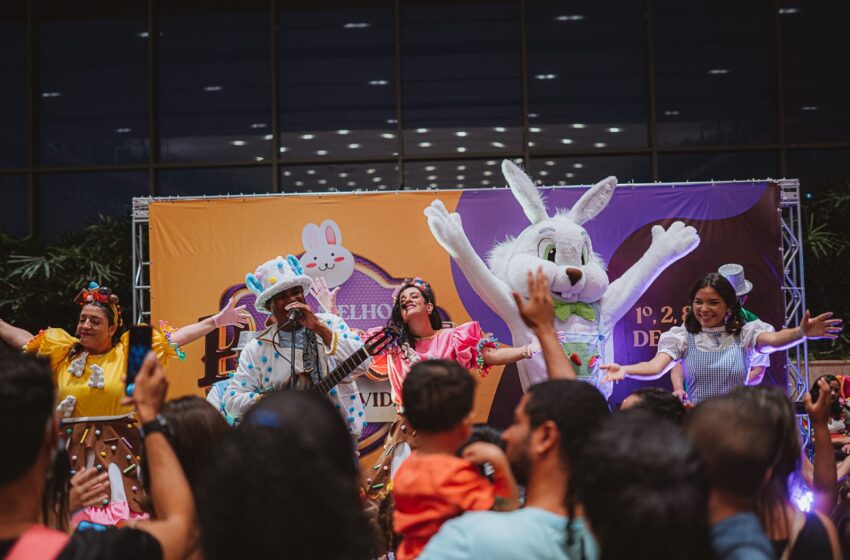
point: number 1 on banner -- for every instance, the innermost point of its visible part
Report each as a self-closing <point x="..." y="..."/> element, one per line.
<point x="645" y="311"/>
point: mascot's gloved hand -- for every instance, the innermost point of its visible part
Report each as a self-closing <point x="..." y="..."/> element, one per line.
<point x="676" y="241"/>
<point x="231" y="315"/>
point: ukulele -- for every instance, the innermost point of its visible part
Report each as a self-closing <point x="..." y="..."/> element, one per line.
<point x="375" y="344"/>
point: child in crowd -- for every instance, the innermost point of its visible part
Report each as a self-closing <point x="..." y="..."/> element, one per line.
<point x="433" y="485"/>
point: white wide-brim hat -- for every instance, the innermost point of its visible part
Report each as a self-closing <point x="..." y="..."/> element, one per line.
<point x="735" y="274"/>
<point x="276" y="276"/>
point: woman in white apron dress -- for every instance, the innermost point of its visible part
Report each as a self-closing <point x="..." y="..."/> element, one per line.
<point x="716" y="345"/>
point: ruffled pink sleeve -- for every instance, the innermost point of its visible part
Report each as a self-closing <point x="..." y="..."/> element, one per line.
<point x="467" y="342"/>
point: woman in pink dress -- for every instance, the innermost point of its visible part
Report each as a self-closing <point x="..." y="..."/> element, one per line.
<point x="422" y="337"/>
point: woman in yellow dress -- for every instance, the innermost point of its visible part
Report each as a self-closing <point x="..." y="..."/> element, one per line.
<point x="98" y="430"/>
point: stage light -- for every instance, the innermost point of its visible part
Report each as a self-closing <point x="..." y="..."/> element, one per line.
<point x="144" y="34"/>
<point x="579" y="125"/>
<point x="259" y="125"/>
<point x="376" y="179"/>
<point x="497" y="144"/>
<point x="237" y="142"/>
<point x="578" y="165"/>
<point x="433" y="185"/>
<point x="388" y="135"/>
<point x="51" y="94"/>
<point x="535" y="129"/>
<point x="550" y="163"/>
<point x="343" y="175"/>
<point x="268" y="137"/>
<point x="259" y="158"/>
<point x="461" y="177"/>
<point x="487" y="173"/>
<point x="353" y="146"/>
<point x="392" y="121"/>
<point x="545" y="76"/>
<point x="809" y="108"/>
<point x="421" y="130"/>
<point x="378" y="82"/>
<point x="381" y="187"/>
<point x="566" y="141"/>
<point x="321" y="152"/>
<point x="500" y="129"/>
<point x="615" y="129"/>
<point x="718" y="71"/>
<point x="307" y="136"/>
<point x="282" y="149"/>
<point x="571" y="17"/>
<point x="299" y="183"/>
<point x="491" y="162"/>
<point x="461" y="168"/>
<point x="531" y="144"/>
<point x="123" y="130"/>
<point x="370" y="170"/>
<point x="485" y="182"/>
<point x="461" y="133"/>
<point x="672" y="113"/>
<point x="351" y="183"/>
<point x="600" y="145"/>
<point x="430" y="167"/>
<point x="311" y="172"/>
<point x="570" y="175"/>
<point x="358" y="25"/>
<point x="424" y="144"/>
<point x="789" y="11"/>
<point x="343" y="132"/>
<point x="461" y="149"/>
<point x="533" y="115"/>
<point x="322" y="181"/>
<point x="431" y="177"/>
<point x="287" y="173"/>
<point x="213" y="88"/>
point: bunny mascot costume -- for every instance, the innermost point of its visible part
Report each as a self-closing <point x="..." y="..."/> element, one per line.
<point x="587" y="306"/>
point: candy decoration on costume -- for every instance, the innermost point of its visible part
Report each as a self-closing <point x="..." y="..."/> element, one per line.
<point x="66" y="407"/>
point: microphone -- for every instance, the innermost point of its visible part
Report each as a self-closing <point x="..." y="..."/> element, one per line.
<point x="294" y="314"/>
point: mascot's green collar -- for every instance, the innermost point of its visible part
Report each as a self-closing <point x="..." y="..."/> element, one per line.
<point x="563" y="310"/>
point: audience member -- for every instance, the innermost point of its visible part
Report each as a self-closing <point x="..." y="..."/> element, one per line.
<point x="433" y="485"/>
<point x="551" y="425"/>
<point x="732" y="441"/>
<point x="657" y="400"/>
<point x="794" y="535"/>
<point x="644" y="490"/>
<point x="27" y="398"/>
<point x="284" y="483"/>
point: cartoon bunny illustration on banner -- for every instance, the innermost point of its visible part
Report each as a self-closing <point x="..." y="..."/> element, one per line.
<point x="325" y="256"/>
<point x="587" y="305"/>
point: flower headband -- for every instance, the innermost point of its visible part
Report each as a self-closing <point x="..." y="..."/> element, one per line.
<point x="102" y="295"/>
<point x="415" y="282"/>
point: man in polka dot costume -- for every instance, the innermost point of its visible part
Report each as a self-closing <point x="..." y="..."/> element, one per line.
<point x="322" y="341"/>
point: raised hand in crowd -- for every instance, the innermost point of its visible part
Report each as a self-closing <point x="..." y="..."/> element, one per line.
<point x="824" y="473"/>
<point x="538" y="313"/>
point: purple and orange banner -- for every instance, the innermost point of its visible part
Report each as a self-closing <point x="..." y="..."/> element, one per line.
<point x="365" y="244"/>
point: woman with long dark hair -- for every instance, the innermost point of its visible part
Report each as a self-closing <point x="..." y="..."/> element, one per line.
<point x="100" y="431"/>
<point x="716" y="345"/>
<point x="284" y="484"/>
<point x="795" y="535"/>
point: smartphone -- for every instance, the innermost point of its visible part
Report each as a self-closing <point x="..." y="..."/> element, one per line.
<point x="140" y="345"/>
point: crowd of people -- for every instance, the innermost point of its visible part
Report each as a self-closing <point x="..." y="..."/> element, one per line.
<point x="90" y="472"/>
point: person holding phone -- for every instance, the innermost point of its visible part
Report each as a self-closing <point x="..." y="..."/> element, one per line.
<point x="98" y="430"/>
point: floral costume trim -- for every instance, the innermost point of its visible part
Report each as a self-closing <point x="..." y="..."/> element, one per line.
<point x="490" y="342"/>
<point x="167" y="331"/>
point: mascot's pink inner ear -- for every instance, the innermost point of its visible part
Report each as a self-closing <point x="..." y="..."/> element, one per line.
<point x="330" y="235"/>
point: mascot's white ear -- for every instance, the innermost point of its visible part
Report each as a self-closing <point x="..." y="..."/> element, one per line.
<point x="525" y="192"/>
<point x="593" y="201"/>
